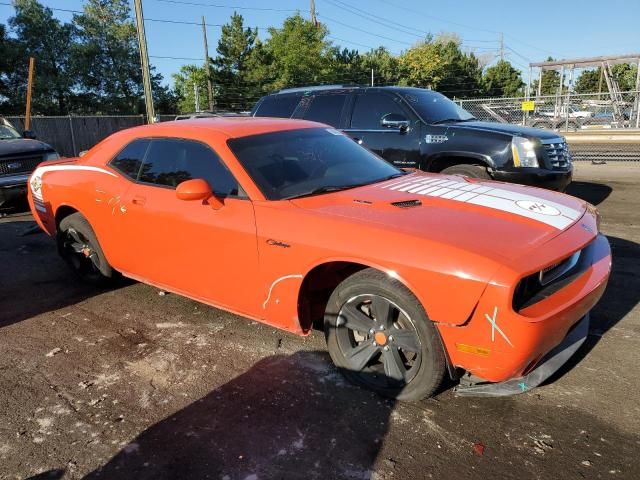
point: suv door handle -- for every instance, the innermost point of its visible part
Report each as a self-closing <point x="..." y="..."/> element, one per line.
<point x="139" y="200"/>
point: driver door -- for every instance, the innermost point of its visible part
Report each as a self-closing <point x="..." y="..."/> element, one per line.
<point x="188" y="246"/>
<point x="401" y="148"/>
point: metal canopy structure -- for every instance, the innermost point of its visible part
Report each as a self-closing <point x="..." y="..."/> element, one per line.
<point x="622" y="116"/>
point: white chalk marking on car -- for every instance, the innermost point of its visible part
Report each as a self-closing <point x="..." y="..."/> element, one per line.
<point x="494" y="327"/>
<point x="297" y="275"/>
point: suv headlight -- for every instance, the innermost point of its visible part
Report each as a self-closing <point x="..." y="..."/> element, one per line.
<point x="51" y="156"/>
<point x="524" y="153"/>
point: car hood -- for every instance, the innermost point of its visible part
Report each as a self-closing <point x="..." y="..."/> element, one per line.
<point x="506" y="128"/>
<point x="497" y="220"/>
<point x="17" y="146"/>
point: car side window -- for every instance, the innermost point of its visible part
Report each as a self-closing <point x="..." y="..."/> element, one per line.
<point x="279" y="106"/>
<point x="326" y="109"/>
<point x="171" y="161"/>
<point x="129" y="160"/>
<point x="370" y="108"/>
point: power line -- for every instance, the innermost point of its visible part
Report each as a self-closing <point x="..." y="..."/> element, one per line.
<point x="235" y="7"/>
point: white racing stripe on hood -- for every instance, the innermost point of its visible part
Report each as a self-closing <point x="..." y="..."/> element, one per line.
<point x="522" y="204"/>
<point x="36" y="178"/>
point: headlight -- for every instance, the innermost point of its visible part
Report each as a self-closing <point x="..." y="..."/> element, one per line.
<point x="50" y="156"/>
<point x="524" y="154"/>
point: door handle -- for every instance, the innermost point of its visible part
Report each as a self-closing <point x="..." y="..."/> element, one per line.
<point x="139" y="200"/>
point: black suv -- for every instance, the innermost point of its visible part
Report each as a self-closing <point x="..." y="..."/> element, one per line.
<point x="414" y="127"/>
<point x="19" y="156"/>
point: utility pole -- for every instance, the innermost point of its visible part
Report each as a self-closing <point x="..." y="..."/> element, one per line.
<point x="27" y="117"/>
<point x="501" y="47"/>
<point x="372" y="77"/>
<point x="196" y="96"/>
<point x="144" y="62"/>
<point x="313" y="12"/>
<point x="207" y="65"/>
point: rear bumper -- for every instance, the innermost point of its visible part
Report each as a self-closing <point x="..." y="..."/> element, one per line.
<point x="536" y="177"/>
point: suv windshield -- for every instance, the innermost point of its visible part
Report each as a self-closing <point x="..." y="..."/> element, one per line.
<point x="434" y="107"/>
<point x="298" y="163"/>
<point x="7" y="132"/>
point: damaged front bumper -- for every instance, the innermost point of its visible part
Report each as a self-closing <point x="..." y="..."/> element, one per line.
<point x="545" y="368"/>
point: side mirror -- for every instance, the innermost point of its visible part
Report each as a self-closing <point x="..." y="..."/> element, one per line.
<point x="29" y="134"/>
<point x="197" y="189"/>
<point x="396" y="121"/>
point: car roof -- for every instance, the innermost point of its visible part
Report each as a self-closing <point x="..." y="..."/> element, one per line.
<point x="231" y="127"/>
<point x="320" y="89"/>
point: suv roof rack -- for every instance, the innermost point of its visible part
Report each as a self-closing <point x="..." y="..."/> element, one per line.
<point x="311" y="88"/>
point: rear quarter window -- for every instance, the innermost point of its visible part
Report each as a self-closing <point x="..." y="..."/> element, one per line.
<point x="280" y="106"/>
<point x="326" y="109"/>
<point x="129" y="160"/>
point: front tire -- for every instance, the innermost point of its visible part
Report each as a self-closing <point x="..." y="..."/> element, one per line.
<point x="473" y="171"/>
<point x="379" y="337"/>
<point x="79" y="247"/>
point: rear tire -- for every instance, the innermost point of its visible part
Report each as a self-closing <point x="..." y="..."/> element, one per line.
<point x="473" y="171"/>
<point x="379" y="337"/>
<point x="79" y="247"/>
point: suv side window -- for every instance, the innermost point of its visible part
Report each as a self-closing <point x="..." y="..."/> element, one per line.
<point x="370" y="108"/>
<point x="280" y="106"/>
<point x="171" y="161"/>
<point x="129" y="160"/>
<point x="326" y="109"/>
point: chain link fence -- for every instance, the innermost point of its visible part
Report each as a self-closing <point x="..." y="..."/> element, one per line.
<point x="566" y="112"/>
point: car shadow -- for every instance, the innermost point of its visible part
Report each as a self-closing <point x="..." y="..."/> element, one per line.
<point x="620" y="298"/>
<point x="33" y="278"/>
<point x="264" y="424"/>
<point x="594" y="193"/>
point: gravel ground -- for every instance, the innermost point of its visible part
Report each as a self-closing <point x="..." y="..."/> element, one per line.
<point x="130" y="383"/>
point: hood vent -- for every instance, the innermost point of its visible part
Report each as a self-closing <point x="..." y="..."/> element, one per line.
<point x="407" y="203"/>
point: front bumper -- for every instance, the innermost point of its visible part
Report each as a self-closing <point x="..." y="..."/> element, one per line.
<point x="557" y="180"/>
<point x="13" y="188"/>
<point x="500" y="343"/>
<point x="545" y="368"/>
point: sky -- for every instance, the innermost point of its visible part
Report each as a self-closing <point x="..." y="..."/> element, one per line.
<point x="531" y="31"/>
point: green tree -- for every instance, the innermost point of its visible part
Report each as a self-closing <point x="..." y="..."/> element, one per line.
<point x="187" y="81"/>
<point x="550" y="82"/>
<point x="442" y="66"/>
<point x="384" y="65"/>
<point x="502" y="80"/>
<point x="297" y="54"/>
<point x="590" y="81"/>
<point x="234" y="48"/>
<point x="40" y="35"/>
<point x="107" y="62"/>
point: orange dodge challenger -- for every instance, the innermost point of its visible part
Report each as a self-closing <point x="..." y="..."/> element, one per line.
<point x="413" y="276"/>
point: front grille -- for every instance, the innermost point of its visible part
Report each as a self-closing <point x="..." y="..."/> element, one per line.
<point x="17" y="165"/>
<point x="557" y="153"/>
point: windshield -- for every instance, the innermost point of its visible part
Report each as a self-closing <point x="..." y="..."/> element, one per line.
<point x="7" y="132"/>
<point x="296" y="163"/>
<point x="434" y="107"/>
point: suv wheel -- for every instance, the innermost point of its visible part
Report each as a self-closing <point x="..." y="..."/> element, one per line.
<point x="473" y="171"/>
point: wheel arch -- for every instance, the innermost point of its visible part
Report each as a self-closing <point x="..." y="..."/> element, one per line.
<point x="438" y="162"/>
<point x="64" y="211"/>
<point x="323" y="278"/>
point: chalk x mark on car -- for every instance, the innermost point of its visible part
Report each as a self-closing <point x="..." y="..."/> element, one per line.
<point x="494" y="327"/>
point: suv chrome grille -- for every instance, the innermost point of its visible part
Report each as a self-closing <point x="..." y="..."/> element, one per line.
<point x="16" y="165"/>
<point x="557" y="152"/>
